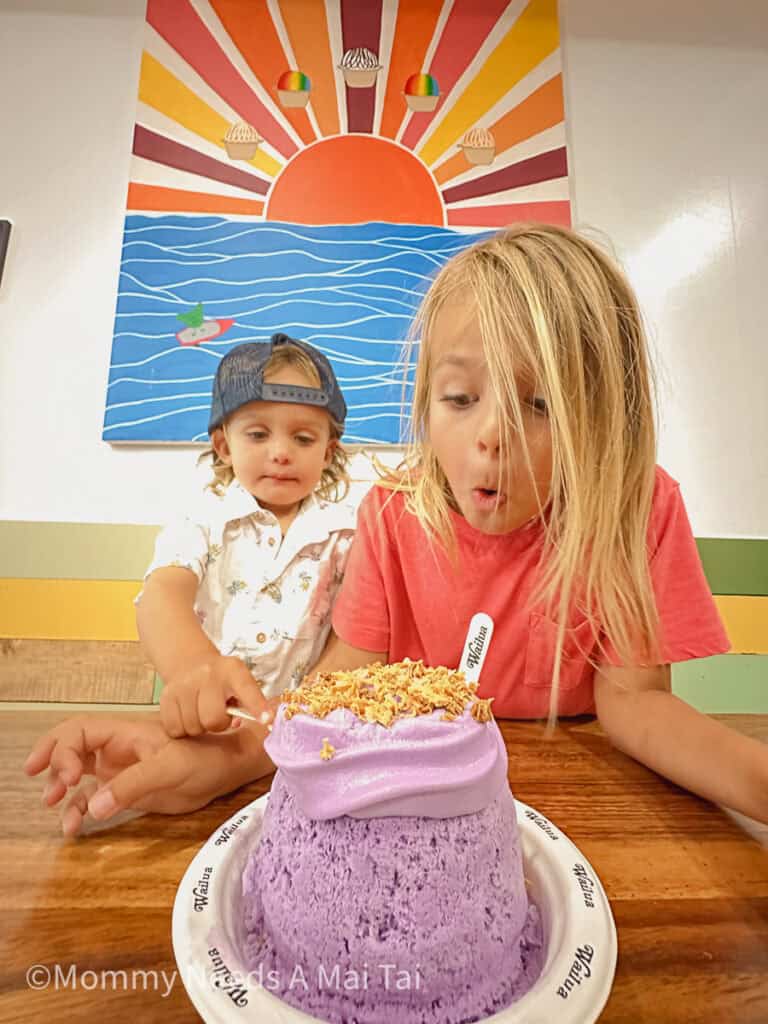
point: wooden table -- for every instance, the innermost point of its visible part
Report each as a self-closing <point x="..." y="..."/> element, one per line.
<point x="688" y="884"/>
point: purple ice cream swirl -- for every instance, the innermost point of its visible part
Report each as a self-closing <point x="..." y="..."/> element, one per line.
<point x="418" y="766"/>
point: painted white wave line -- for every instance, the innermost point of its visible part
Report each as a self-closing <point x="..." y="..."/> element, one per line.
<point x="265" y="328"/>
<point x="286" y="302"/>
<point x="368" y="387"/>
<point x="375" y="416"/>
<point x="340" y="357"/>
<point x="403" y="245"/>
<point x="219" y="222"/>
<point x="378" y="314"/>
<point x="263" y="229"/>
<point x="388" y="377"/>
<point x="364" y="262"/>
<point x="158" y="224"/>
<point x="360" y="439"/>
<point x="350" y="263"/>
<point x="141" y="284"/>
<point x="158" y="398"/>
<point x="376" y="405"/>
<point x="341" y="289"/>
<point x="159" y="355"/>
<point x="152" y="419"/>
<point x="322" y="327"/>
<point x="174" y="301"/>
<point x="219" y="256"/>
<point x="352" y="337"/>
<point x="285" y="277"/>
<point x="153" y="381"/>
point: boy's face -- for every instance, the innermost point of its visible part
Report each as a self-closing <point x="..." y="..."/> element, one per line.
<point x="464" y="430"/>
<point x="277" y="450"/>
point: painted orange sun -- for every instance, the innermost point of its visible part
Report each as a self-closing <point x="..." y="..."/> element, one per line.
<point x="352" y="179"/>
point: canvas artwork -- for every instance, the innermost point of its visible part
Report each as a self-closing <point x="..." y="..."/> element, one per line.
<point x="307" y="166"/>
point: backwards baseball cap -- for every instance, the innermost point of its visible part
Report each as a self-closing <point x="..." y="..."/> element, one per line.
<point x="240" y="379"/>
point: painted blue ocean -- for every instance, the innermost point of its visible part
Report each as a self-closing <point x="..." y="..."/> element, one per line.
<point x="350" y="290"/>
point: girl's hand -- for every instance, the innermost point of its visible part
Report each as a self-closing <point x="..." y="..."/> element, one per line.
<point x="134" y="765"/>
<point x="196" y="701"/>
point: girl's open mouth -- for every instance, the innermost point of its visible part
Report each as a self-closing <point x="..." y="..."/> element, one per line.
<point x="486" y="499"/>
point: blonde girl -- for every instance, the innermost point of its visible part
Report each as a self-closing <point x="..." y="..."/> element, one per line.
<point x="531" y="493"/>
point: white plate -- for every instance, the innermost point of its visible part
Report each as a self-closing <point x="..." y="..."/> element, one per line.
<point x="578" y="926"/>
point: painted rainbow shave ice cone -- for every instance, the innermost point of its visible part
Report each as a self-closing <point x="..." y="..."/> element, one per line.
<point x="293" y="88"/>
<point x="421" y="93"/>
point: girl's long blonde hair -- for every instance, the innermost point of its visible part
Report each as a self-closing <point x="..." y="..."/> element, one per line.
<point x="334" y="480"/>
<point x="553" y="307"/>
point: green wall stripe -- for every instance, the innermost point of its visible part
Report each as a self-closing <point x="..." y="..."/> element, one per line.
<point x="735" y="566"/>
<point x="158" y="689"/>
<point x="75" y="551"/>
<point x="726" y="684"/>
<point x="108" y="551"/>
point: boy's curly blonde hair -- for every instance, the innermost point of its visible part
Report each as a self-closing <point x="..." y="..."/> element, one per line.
<point x="334" y="481"/>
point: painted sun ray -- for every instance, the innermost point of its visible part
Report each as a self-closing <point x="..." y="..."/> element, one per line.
<point x="277" y="18"/>
<point x="307" y="28"/>
<point x="388" y="20"/>
<point x="464" y="36"/>
<point x="533" y="36"/>
<point x="547" y="190"/>
<point x="160" y="150"/>
<point x="552" y="164"/>
<point x="551" y="138"/>
<point x="512" y="123"/>
<point x="161" y="89"/>
<point x="148" y="172"/>
<point x="267" y="97"/>
<point x="162" y="199"/>
<point x="429" y="56"/>
<point x="183" y="29"/>
<point x="336" y="43"/>
<point x="361" y="28"/>
<point x="414" y="30"/>
<point x="252" y="31"/>
<point x="153" y="120"/>
<point x="483" y="217"/>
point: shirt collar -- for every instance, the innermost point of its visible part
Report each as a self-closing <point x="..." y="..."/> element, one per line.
<point x="316" y="520"/>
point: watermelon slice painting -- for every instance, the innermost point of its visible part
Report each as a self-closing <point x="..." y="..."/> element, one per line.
<point x="198" y="329"/>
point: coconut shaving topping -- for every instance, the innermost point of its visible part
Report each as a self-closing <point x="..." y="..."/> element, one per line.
<point x="383" y="693"/>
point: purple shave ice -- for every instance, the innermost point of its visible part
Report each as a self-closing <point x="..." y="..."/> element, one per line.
<point x="357" y="910"/>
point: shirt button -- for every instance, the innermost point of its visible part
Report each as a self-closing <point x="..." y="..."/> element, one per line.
<point x="261" y="637"/>
<point x="271" y="542"/>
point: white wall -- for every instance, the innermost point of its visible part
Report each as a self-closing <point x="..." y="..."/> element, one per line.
<point x="667" y="143"/>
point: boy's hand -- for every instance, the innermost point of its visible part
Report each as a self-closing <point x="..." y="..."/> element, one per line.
<point x="196" y="702"/>
<point x="135" y="765"/>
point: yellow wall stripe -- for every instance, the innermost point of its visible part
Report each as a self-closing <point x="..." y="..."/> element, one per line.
<point x="746" y="621"/>
<point x="159" y="88"/>
<point x="532" y="38"/>
<point x="68" y="609"/>
<point x="104" y="610"/>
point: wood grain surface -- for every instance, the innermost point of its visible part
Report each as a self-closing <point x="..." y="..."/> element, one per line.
<point x="83" y="671"/>
<point x="688" y="884"/>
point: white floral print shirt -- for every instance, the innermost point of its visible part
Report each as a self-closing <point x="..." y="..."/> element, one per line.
<point x="262" y="597"/>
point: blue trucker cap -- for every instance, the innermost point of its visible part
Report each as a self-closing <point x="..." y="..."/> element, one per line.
<point x="240" y="379"/>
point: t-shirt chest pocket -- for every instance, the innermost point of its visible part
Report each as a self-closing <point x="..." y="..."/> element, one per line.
<point x="578" y="645"/>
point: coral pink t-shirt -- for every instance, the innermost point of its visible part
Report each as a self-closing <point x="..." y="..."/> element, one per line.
<point x="402" y="595"/>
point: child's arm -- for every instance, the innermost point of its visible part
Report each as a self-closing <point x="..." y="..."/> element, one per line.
<point x="644" y="719"/>
<point x="135" y="765"/>
<point x="338" y="655"/>
<point x="199" y="680"/>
